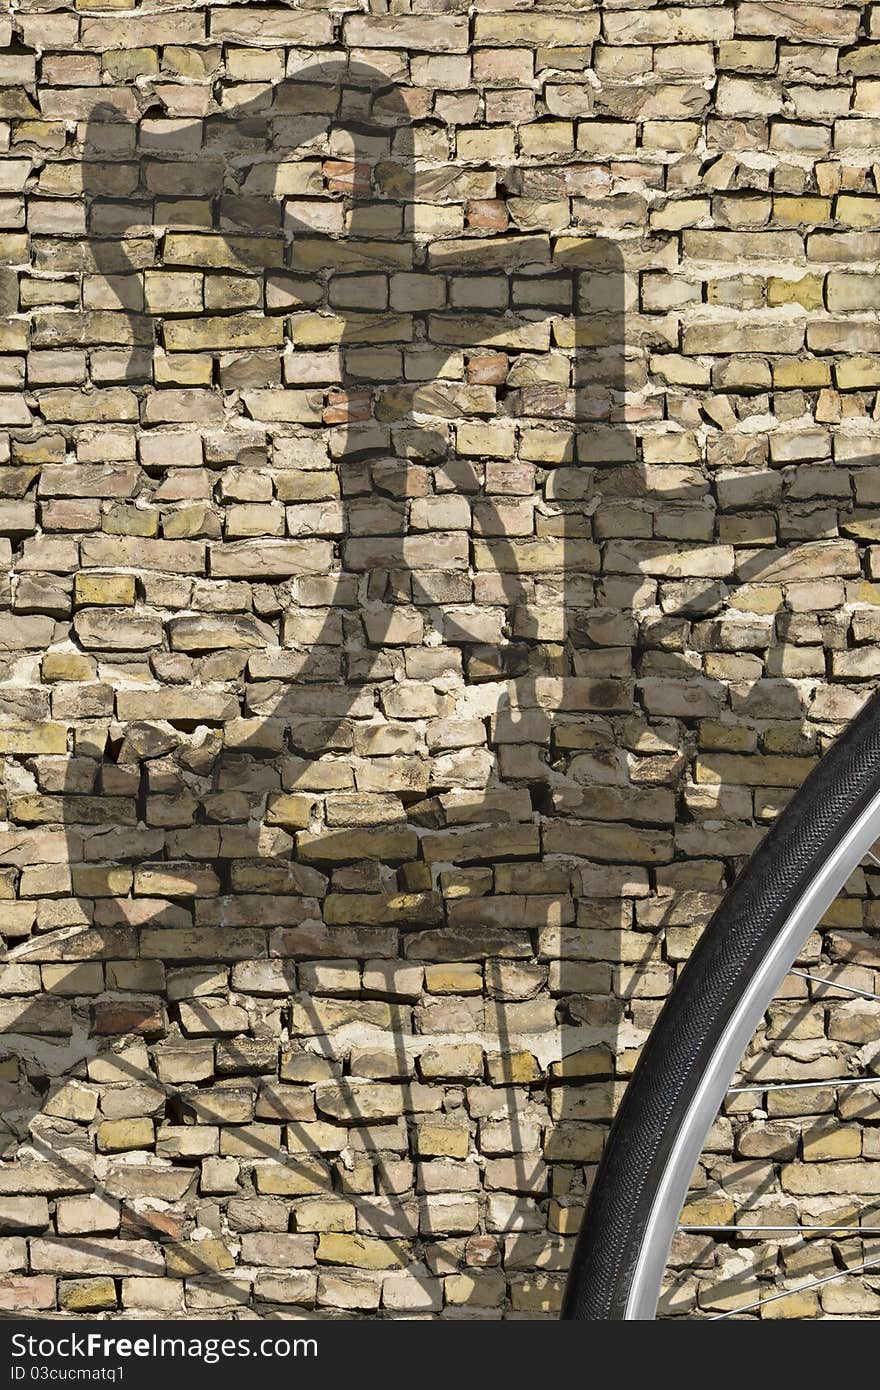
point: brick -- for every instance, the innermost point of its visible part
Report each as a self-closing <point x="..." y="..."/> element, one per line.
<point x="361" y="1252"/>
<point x="273" y="24"/>
<point x="93" y="1256"/>
<point x="441" y="35"/>
<point x="767" y="332"/>
<point x="806" y="23"/>
<point x="531" y="30"/>
<point x="141" y="31"/>
<point x="22" y="1291"/>
<point x="272" y="559"/>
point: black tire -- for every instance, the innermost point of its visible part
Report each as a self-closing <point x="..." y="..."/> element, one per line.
<point x="833" y="807"/>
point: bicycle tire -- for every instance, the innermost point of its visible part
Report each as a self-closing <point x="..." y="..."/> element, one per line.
<point x="694" y="1049"/>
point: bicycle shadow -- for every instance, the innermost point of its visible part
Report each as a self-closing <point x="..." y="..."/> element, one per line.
<point x="526" y="826"/>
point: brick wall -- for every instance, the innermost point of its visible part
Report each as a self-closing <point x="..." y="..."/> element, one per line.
<point x="436" y="507"/>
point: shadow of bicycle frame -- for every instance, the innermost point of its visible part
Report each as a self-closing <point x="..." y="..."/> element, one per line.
<point x="380" y="362"/>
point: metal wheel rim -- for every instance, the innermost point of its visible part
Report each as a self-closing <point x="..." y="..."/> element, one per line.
<point x="663" y="1218"/>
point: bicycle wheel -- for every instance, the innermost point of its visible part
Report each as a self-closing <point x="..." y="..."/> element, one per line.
<point x="694" y="1049"/>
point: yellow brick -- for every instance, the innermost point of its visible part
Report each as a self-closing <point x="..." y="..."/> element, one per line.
<point x="293" y="809"/>
<point x="438" y="1140"/>
<point x="197" y="1257"/>
<point x="102" y="881"/>
<point x="531" y="30"/>
<point x="546" y="138"/>
<point x="857" y="212"/>
<point x="589" y="1061"/>
<point x="810" y="209"/>
<point x="708" y="1211"/>
<point x="33" y="738"/>
<point x="496" y="439"/>
<point x="538" y="1293"/>
<point x="87" y="1295"/>
<point x="465" y="977"/>
<point x="752" y="771"/>
<point x="485" y="145"/>
<point x="484" y="1288"/>
<point x="547" y="445"/>
<point x="837" y="1141"/>
<point x="13" y="247"/>
<point x="565" y="1221"/>
<point x="513" y="1068"/>
<point x="725" y="738"/>
<point x="177" y="290"/>
<point x="220" y="252"/>
<point x="864" y="592"/>
<point x="794" y="373"/>
<point x="80" y="977"/>
<point x="362" y="1252"/>
<point x="757" y="598"/>
<point x="67" y="666"/>
<point x="114" y="590"/>
<point x="115" y="1136"/>
<point x="232" y="331"/>
<point x="857" y="373"/>
<point x="795" y="1305"/>
<point x="184" y="369"/>
<point x="806" y="291"/>
<point x="574" y="1143"/>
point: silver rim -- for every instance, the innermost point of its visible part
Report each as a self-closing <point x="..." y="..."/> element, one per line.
<point x="662" y="1223"/>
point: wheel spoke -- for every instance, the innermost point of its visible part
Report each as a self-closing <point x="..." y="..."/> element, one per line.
<point x="794" y="1230"/>
<point x="817" y="1085"/>
<point x="801" y="1288"/>
<point x="833" y="984"/>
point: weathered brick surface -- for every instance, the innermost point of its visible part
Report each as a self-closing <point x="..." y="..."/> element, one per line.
<point x="437" y="514"/>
